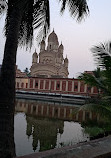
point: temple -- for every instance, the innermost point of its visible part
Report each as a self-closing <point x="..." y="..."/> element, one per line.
<point x="49" y="72"/>
<point x="50" y="61"/>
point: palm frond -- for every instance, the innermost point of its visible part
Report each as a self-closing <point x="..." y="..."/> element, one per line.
<point x="88" y="79"/>
<point x="26" y="27"/>
<point x="42" y="19"/>
<point x="77" y="8"/>
<point x="35" y="14"/>
<point x="102" y="54"/>
<point x="95" y="80"/>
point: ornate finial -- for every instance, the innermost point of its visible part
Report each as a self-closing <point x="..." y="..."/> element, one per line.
<point x="35" y="50"/>
<point x="53" y="29"/>
<point x="66" y="55"/>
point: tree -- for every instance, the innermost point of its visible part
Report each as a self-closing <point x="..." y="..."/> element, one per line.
<point x="102" y="54"/>
<point x="27" y="71"/>
<point x="101" y="78"/>
<point x="23" y="16"/>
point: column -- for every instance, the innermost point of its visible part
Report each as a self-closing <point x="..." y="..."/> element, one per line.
<point x="33" y="83"/>
<point x="92" y="90"/>
<point x="55" y="85"/>
<point x="71" y="112"/>
<point x="61" y="85"/>
<point x="20" y="84"/>
<point x="38" y="84"/>
<point x="42" y="109"/>
<point x="44" y="84"/>
<point x="31" y="109"/>
<point x="36" y="109"/>
<point x="66" y="86"/>
<point x="22" y="104"/>
<point x="72" y="86"/>
<point x="49" y="85"/>
<point x="26" y="107"/>
<point x="28" y="86"/>
<point x="79" y="83"/>
<point x="85" y="88"/>
<point x="58" y="112"/>
<point x="64" y="112"/>
<point x="47" y="110"/>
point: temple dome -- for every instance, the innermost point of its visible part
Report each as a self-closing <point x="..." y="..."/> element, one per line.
<point x="53" y="38"/>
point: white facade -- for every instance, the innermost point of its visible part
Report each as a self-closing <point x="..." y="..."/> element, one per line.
<point x="50" y="61"/>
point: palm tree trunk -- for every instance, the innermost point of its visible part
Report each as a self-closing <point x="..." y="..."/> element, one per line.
<point x="7" y="78"/>
<point x="7" y="88"/>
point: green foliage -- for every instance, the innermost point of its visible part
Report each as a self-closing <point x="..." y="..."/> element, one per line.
<point x="102" y="55"/>
<point x="35" y="14"/>
<point x="94" y="131"/>
<point x="96" y="128"/>
<point x="101" y="78"/>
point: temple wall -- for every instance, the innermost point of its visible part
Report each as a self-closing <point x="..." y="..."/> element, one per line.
<point x="55" y="85"/>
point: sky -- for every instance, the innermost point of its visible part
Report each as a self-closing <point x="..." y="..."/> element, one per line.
<point x="77" y="38"/>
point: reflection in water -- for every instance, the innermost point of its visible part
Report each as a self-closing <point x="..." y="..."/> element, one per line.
<point x="44" y="132"/>
<point x="42" y="125"/>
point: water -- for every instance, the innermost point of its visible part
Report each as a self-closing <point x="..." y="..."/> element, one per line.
<point x="43" y="125"/>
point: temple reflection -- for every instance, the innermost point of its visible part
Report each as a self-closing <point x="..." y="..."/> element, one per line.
<point x="44" y="132"/>
<point x="53" y="110"/>
<point x="45" y="120"/>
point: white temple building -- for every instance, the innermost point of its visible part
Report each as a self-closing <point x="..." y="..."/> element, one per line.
<point x="50" y="61"/>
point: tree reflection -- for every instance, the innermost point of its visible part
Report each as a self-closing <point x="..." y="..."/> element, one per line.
<point x="100" y="125"/>
<point x="96" y="129"/>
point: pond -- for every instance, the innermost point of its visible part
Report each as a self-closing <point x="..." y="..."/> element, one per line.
<point x="41" y="125"/>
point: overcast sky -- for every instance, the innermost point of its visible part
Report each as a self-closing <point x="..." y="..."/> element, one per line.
<point x="77" y="38"/>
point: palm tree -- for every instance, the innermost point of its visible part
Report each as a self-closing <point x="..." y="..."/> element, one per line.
<point x="23" y="16"/>
<point x="102" y="80"/>
<point x="102" y="54"/>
